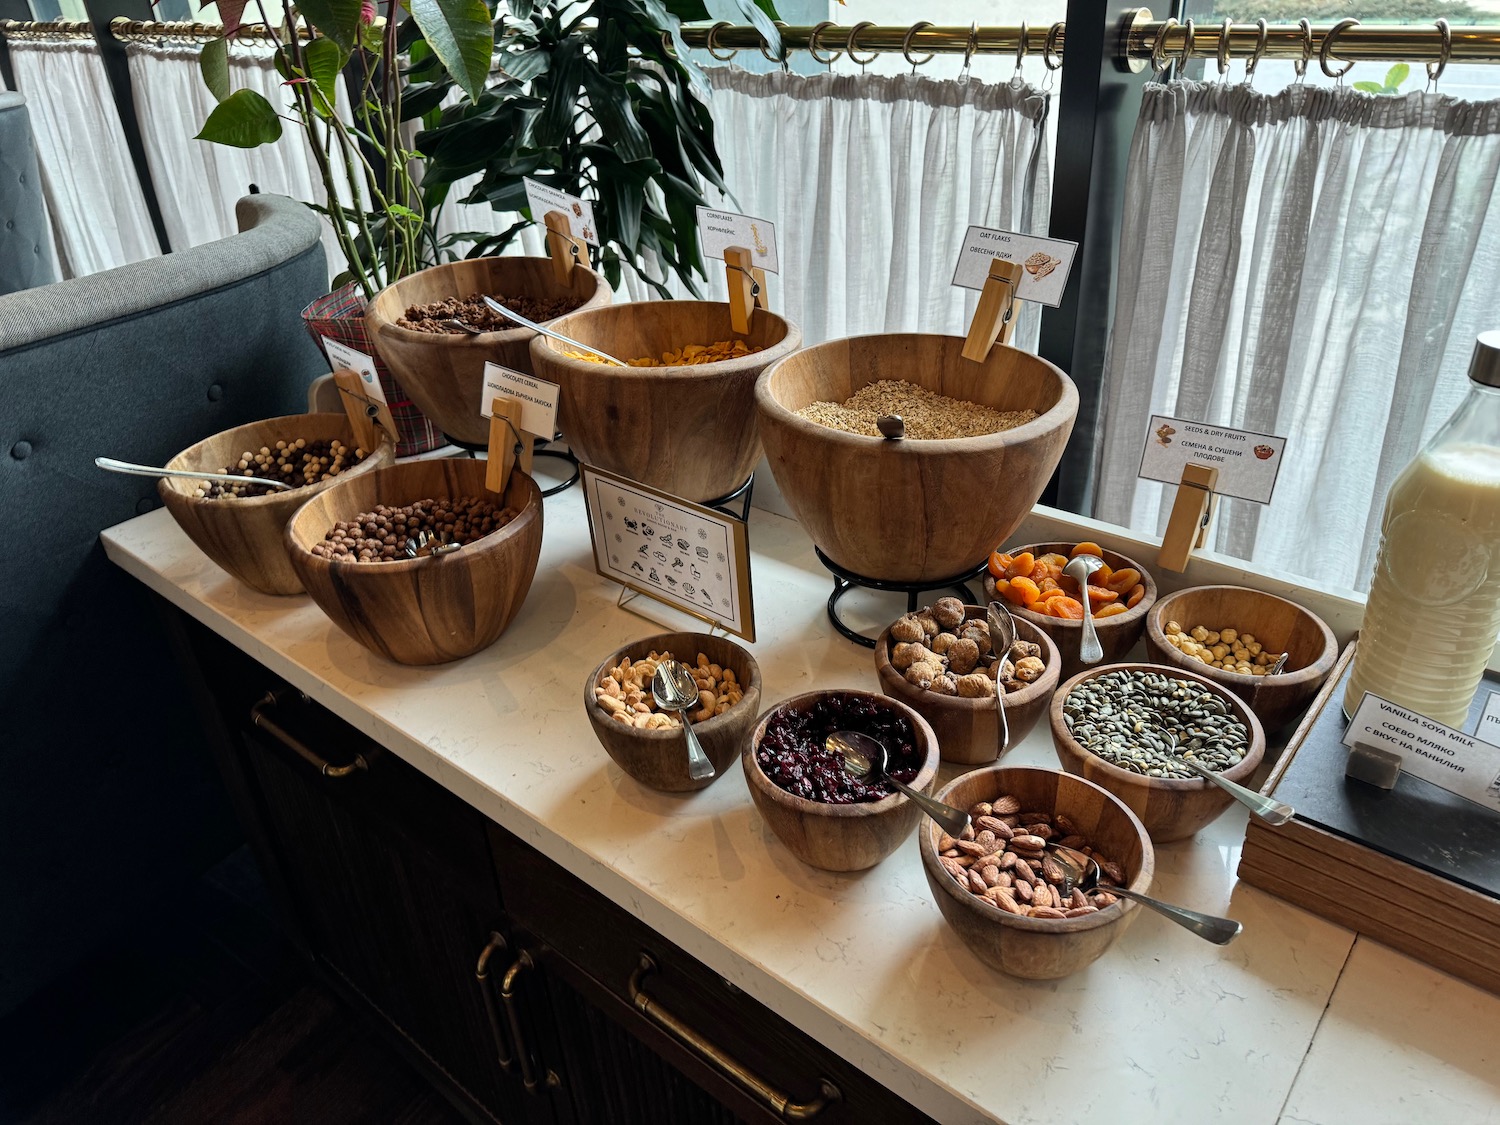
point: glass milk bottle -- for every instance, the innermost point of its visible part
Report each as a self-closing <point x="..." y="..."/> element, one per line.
<point x="1434" y="608"/>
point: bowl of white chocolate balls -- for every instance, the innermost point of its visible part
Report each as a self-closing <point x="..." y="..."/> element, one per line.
<point x="940" y="662"/>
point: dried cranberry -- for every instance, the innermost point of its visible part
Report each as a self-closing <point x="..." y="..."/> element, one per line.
<point x="791" y="752"/>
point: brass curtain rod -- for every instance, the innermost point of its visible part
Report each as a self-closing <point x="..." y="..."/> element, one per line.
<point x="46" y="29"/>
<point x="145" y="31"/>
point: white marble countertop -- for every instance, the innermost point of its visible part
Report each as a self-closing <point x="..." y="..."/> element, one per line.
<point x="1295" y="1022"/>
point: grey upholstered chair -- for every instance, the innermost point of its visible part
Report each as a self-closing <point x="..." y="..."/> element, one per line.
<point x="25" y="242"/>
<point x="107" y="800"/>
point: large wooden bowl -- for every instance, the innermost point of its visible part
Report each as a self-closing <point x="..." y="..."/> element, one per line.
<point x="658" y="758"/>
<point x="689" y="431"/>
<point x="1279" y="625"/>
<point x="1117" y="634"/>
<point x="968" y="730"/>
<point x="443" y="372"/>
<point x="1041" y="948"/>
<point x="1170" y="808"/>
<point x="243" y="535"/>
<point x="426" y="610"/>
<point x="839" y="837"/>
<point x="912" y="511"/>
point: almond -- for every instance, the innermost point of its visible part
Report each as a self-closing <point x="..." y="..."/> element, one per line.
<point x="1024" y="870"/>
<point x="1052" y="871"/>
<point x="1046" y="912"/>
<point x="990" y="875"/>
<point x="972" y="847"/>
<point x="1080" y="911"/>
<point x="1004" y="806"/>
<point x="986" y="839"/>
<point x="1006" y="902"/>
<point x="1024" y="893"/>
<point x="1024" y="844"/>
<point x="956" y="870"/>
<point x="1112" y="871"/>
<point x="945" y="842"/>
<point x="976" y="883"/>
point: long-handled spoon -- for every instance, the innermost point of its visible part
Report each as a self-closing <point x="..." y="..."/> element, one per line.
<point x="673" y="688"/>
<point x="129" y="469"/>
<point x="865" y="758"/>
<point x="1002" y="636"/>
<point x="558" y="336"/>
<point x="1078" y="569"/>
<point x="1084" y="872"/>
<point x="1270" y="811"/>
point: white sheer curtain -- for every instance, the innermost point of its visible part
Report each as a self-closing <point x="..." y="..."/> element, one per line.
<point x="1314" y="263"/>
<point x="98" y="213"/>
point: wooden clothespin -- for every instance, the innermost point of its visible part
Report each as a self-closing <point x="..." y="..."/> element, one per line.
<point x="995" y="317"/>
<point x="747" y="287"/>
<point x="1187" y="527"/>
<point x="505" y="435"/>
<point x="564" y="250"/>
<point x="368" y="416"/>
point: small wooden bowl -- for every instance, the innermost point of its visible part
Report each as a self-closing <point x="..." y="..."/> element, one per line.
<point x="839" y="837"/>
<point x="426" y="610"/>
<point x="444" y="371"/>
<point x="243" y="535"/>
<point x="912" y="511"/>
<point x="1170" y="808"/>
<point x="1041" y="948"/>
<point x="689" y="431"/>
<point x="658" y="758"/>
<point x="1279" y="625"/>
<point x="1117" y="634"/>
<point x="968" y="729"/>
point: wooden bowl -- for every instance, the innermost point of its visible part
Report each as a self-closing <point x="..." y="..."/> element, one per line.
<point x="968" y="729"/>
<point x="912" y="511"/>
<point x="1170" y="808"/>
<point x="658" y="758"/>
<point x="839" y="837"/>
<point x="1041" y="948"/>
<point x="244" y="535"/>
<point x="689" y="431"/>
<point x="443" y="372"/>
<point x="426" y="610"/>
<point x="1279" y="625"/>
<point x="1117" y="634"/>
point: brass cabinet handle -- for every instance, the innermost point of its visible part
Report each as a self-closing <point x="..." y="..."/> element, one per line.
<point x="260" y="719"/>
<point x="503" y="1054"/>
<point x="513" y="1015"/>
<point x="778" y="1102"/>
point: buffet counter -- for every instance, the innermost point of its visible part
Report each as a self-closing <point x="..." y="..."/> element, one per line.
<point x="1298" y="1021"/>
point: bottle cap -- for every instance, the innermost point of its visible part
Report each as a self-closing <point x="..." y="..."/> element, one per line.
<point x="1485" y="366"/>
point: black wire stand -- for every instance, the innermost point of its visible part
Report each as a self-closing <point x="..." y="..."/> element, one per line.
<point x="537" y="450"/>
<point x="741" y="495"/>
<point x="846" y="580"/>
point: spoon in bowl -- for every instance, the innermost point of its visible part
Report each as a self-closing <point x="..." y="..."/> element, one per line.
<point x="1084" y="872"/>
<point x="865" y="758"/>
<point x="1078" y="569"/>
<point x="129" y="469"/>
<point x="674" y="689"/>
<point x="1002" y="636"/>
<point x="558" y="336"/>
<point x="1271" y="811"/>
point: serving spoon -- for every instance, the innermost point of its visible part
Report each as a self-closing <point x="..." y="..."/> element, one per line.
<point x="1083" y="871"/>
<point x="1002" y="636"/>
<point x="113" y="466"/>
<point x="674" y="689"/>
<point x="865" y="758"/>
<point x="558" y="336"/>
<point x="1090" y="651"/>
<point x="1270" y="811"/>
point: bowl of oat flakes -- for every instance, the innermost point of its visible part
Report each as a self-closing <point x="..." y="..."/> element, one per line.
<point x="981" y="441"/>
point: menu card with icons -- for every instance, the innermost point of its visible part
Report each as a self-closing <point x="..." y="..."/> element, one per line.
<point x="1047" y="262"/>
<point x="579" y="212"/>
<point x="719" y="230"/>
<point x="1248" y="462"/>
<point x="673" y="550"/>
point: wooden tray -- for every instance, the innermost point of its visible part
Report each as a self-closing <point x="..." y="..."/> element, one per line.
<point x="1416" y="868"/>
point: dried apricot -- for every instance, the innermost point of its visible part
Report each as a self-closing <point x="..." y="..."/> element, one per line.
<point x="1070" y="609"/>
<point x="1045" y="583"/>
<point x="1137" y="592"/>
<point x="1123" y="579"/>
<point x="1099" y="597"/>
<point x="1054" y="560"/>
<point x="1021" y="566"/>
<point x="1101" y="576"/>
<point x="1087" y="548"/>
<point x="998" y="562"/>
<point x="1026" y="588"/>
<point x="1112" y="610"/>
<point x="1002" y="587"/>
<point x="1048" y="593"/>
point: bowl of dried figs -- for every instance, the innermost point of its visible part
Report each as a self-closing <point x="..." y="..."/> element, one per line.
<point x="940" y="661"/>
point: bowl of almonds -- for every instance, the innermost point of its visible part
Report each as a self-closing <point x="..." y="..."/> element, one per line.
<point x="1001" y="892"/>
<point x="940" y="662"/>
<point x="648" y="743"/>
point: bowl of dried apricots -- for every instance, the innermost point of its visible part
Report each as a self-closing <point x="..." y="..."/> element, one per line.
<point x="1032" y="583"/>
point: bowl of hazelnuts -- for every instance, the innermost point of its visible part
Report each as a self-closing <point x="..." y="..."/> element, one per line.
<point x="940" y="662"/>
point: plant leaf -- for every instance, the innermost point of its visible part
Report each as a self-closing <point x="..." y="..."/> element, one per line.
<point x="242" y="120"/>
<point x="1397" y="75"/>
<point x="1370" y="87"/>
<point x="323" y="61"/>
<point x="460" y="33"/>
<point x="337" y="19"/>
<point x="213" y="61"/>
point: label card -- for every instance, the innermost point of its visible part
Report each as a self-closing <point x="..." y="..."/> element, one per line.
<point x="342" y="355"/>
<point x="538" y="398"/>
<point x="1046" y="261"/>
<point x="1489" y="722"/>
<point x="1247" y="462"/>
<point x="680" y="553"/>
<point x="580" y="212"/>
<point x="1448" y="758"/>
<point x="719" y="230"/>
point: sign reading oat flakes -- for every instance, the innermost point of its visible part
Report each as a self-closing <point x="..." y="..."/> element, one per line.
<point x="719" y="230"/>
<point x="673" y="550"/>
<point x="1045" y="262"/>
<point x="1248" y="462"/>
<point x="578" y="212"/>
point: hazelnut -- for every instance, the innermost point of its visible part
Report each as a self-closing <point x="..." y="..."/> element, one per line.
<point x="943" y="685"/>
<point x="922" y="674"/>
<point x="975" y="686"/>
<point x="907" y="629"/>
<point x="963" y="655"/>
<point x="948" y="612"/>
<point x="1029" y="669"/>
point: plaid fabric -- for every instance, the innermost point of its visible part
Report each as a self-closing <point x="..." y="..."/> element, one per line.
<point x="339" y="316"/>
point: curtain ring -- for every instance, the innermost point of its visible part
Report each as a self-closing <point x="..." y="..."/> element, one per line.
<point x="1325" y="52"/>
<point x="973" y="45"/>
<point x="1223" y="53"/>
<point x="1159" y="61"/>
<point x="1436" y="72"/>
<point x="711" y="42"/>
<point x="849" y="44"/>
<point x="1052" y="46"/>
<point x="906" y="46"/>
<point x="1260" y="50"/>
<point x="784" y="49"/>
<point x="1187" y="43"/>
<point x="1020" y="48"/>
<point x="812" y="44"/>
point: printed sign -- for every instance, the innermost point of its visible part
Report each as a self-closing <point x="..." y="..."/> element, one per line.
<point x="1046" y="261"/>
<point x="1488" y="729"/>
<point x="719" y="230"/>
<point x="341" y="355"/>
<point x="580" y="212"/>
<point x="1247" y="462"/>
<point x="538" y="398"/>
<point x="678" y="552"/>
<point x="1448" y="758"/>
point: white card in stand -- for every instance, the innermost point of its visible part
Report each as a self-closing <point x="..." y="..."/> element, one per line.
<point x="578" y="211"/>
<point x="1046" y="262"/>
<point x="538" y="398"/>
<point x="719" y="230"/>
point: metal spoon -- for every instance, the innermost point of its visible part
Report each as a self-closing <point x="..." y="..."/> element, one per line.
<point x="1272" y="812"/>
<point x="1002" y="636"/>
<point x="1280" y="665"/>
<point x="558" y="336"/>
<point x="673" y="688"/>
<point x="892" y="427"/>
<point x="1078" y="569"/>
<point x="459" y="326"/>
<point x="865" y="758"/>
<point x="1084" y="871"/>
<point x="129" y="469"/>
